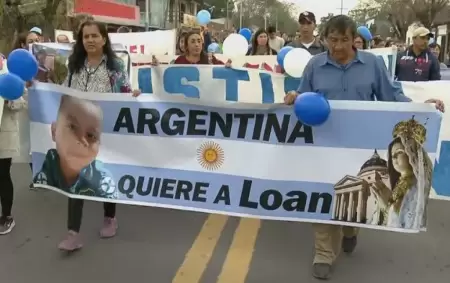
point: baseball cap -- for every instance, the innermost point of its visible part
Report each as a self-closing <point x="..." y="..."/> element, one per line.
<point x="422" y="31"/>
<point x="36" y="30"/>
<point x="308" y="16"/>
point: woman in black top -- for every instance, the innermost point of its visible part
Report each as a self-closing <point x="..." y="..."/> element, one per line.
<point x="260" y="44"/>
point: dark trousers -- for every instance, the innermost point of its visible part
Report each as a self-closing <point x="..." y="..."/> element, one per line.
<point x="75" y="213"/>
<point x="6" y="186"/>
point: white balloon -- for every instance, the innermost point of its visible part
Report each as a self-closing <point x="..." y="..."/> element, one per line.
<point x="235" y="45"/>
<point x="295" y="62"/>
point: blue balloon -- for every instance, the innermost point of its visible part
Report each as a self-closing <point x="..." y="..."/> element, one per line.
<point x="365" y="33"/>
<point x="214" y="48"/>
<point x="247" y="33"/>
<point x="203" y="17"/>
<point x="23" y="64"/>
<point x="311" y="108"/>
<point x="282" y="54"/>
<point x="11" y="86"/>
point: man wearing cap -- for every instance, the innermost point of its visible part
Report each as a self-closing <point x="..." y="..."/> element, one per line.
<point x="418" y="63"/>
<point x="38" y="32"/>
<point x="306" y="39"/>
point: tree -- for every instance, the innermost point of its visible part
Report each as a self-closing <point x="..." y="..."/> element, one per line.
<point x="400" y="14"/>
<point x="218" y="8"/>
<point x="264" y="13"/>
<point x="323" y="22"/>
<point x="20" y="15"/>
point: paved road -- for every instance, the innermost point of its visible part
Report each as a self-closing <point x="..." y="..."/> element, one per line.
<point x="163" y="246"/>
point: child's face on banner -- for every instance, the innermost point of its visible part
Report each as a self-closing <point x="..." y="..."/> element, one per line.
<point x="77" y="133"/>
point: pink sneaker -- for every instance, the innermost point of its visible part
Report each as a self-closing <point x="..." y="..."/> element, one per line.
<point x="71" y="243"/>
<point x="109" y="228"/>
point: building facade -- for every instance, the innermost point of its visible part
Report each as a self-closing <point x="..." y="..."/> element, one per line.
<point x="163" y="14"/>
<point x="352" y="201"/>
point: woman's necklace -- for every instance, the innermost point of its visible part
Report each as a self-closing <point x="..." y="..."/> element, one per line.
<point x="403" y="185"/>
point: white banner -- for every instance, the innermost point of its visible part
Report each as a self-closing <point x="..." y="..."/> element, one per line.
<point x="269" y="87"/>
<point x="160" y="42"/>
<point x="249" y="160"/>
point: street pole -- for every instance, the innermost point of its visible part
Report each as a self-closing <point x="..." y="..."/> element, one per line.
<point x="147" y="15"/>
<point x="240" y="15"/>
<point x="276" y="20"/>
<point x="342" y="7"/>
<point x="228" y="14"/>
<point x="265" y="14"/>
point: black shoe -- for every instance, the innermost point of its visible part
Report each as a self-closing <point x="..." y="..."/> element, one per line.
<point x="322" y="271"/>
<point x="349" y="244"/>
<point x="6" y="225"/>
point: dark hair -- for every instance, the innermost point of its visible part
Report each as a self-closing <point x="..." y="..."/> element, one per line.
<point x="340" y="24"/>
<point x="21" y="39"/>
<point x="123" y="29"/>
<point x="377" y="40"/>
<point x="434" y="45"/>
<point x="203" y="56"/>
<point x="255" y="41"/>
<point x="181" y="37"/>
<point x="389" y="43"/>
<point x="394" y="176"/>
<point x="363" y="40"/>
<point x="78" y="56"/>
<point x="271" y="29"/>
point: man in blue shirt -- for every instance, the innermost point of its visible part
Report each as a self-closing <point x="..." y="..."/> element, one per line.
<point x="344" y="73"/>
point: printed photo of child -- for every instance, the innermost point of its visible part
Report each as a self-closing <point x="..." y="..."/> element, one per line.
<point x="72" y="166"/>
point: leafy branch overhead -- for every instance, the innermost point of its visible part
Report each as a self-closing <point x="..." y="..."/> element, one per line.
<point x="279" y="13"/>
<point x="400" y="14"/>
<point x="20" y="15"/>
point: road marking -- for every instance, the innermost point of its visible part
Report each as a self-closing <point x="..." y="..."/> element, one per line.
<point x="239" y="257"/>
<point x="198" y="257"/>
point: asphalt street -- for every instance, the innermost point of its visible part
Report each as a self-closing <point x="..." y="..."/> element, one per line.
<point x="162" y="246"/>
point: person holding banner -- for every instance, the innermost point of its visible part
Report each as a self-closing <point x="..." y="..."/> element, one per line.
<point x="333" y="74"/>
<point x="194" y="52"/>
<point x="9" y="148"/>
<point x="93" y="67"/>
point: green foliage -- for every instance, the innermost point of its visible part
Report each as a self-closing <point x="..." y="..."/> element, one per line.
<point x="323" y="21"/>
<point x="278" y="13"/>
<point x="400" y="14"/>
<point x="219" y="8"/>
<point x="18" y="16"/>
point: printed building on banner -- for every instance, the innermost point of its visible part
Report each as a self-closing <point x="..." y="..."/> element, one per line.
<point x="352" y="192"/>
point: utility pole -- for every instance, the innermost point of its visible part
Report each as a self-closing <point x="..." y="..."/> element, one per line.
<point x="228" y="14"/>
<point x="265" y="14"/>
<point x="147" y="15"/>
<point x="276" y="20"/>
<point x="342" y="7"/>
<point x="241" y="16"/>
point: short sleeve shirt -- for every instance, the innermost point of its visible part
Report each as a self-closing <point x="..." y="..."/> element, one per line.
<point x="92" y="79"/>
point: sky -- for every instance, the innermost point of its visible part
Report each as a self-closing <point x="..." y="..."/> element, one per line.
<point x="321" y="8"/>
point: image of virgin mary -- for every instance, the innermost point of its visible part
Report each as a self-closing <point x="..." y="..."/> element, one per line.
<point x="403" y="205"/>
